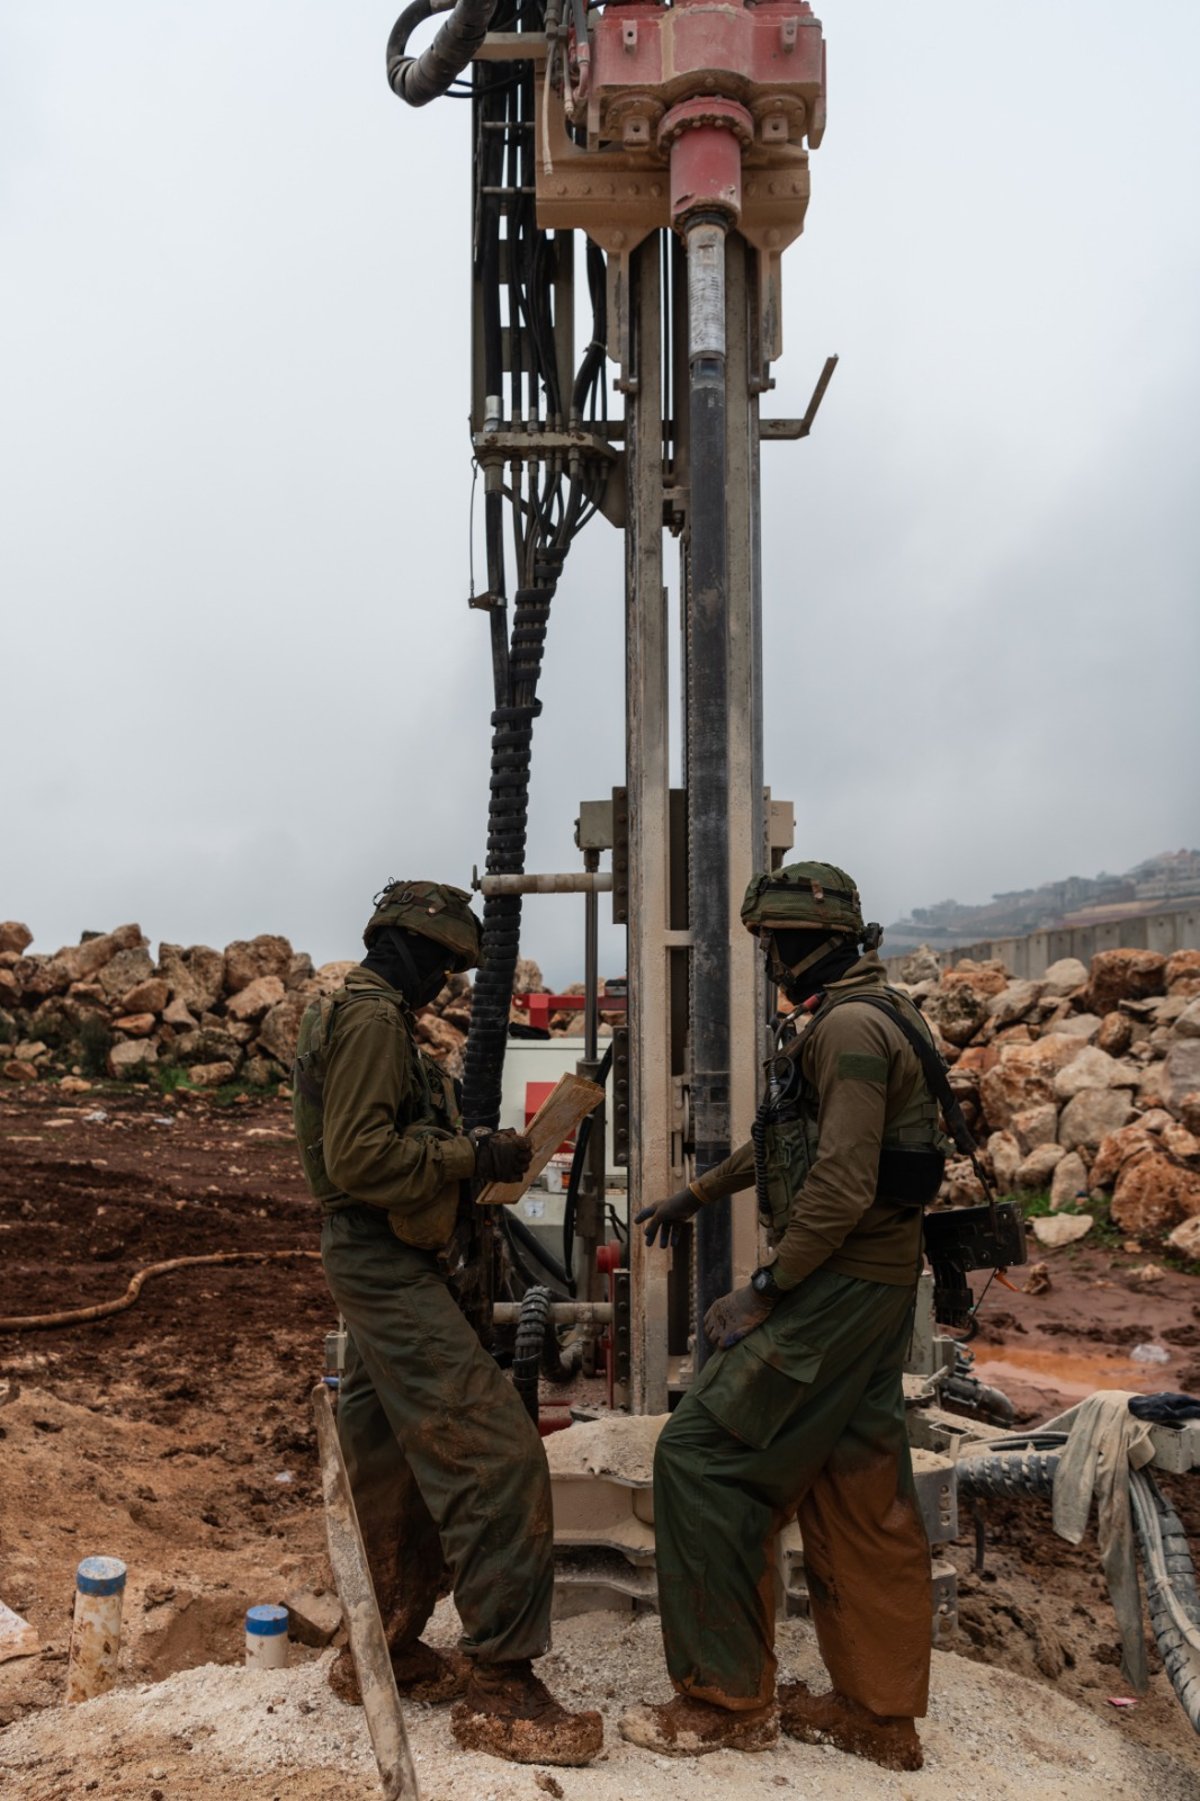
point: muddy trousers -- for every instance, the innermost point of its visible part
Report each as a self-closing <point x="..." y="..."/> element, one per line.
<point x="447" y="1470"/>
<point x="804" y="1417"/>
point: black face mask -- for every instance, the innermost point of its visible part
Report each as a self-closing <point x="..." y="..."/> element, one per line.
<point x="789" y="948"/>
<point x="413" y="965"/>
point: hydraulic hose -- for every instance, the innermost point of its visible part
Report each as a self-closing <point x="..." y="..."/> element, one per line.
<point x="508" y="818"/>
<point x="420" y="79"/>
<point x="1009" y="1471"/>
<point x="516" y="1229"/>
<point x="527" y="1354"/>
<point x="578" y="1165"/>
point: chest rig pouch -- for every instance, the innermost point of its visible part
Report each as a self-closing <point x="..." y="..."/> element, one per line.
<point x="784" y="1135"/>
<point x="912" y="1157"/>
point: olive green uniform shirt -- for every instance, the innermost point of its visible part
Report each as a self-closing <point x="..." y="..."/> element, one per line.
<point x="864" y="1072"/>
<point x="383" y="1143"/>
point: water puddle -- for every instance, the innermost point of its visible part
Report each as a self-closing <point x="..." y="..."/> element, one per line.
<point x="1070" y="1373"/>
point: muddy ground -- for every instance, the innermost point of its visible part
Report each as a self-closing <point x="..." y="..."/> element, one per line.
<point x="176" y="1434"/>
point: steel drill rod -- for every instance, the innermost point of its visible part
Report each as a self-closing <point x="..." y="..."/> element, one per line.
<point x="708" y="747"/>
<point x="578" y="881"/>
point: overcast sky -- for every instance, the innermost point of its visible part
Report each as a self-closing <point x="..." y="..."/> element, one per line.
<point x="241" y="686"/>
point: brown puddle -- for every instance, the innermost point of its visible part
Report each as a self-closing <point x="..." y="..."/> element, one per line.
<point x="1072" y="1374"/>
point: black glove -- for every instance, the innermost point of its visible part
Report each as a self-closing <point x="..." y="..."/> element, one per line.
<point x="729" y="1320"/>
<point x="666" y="1217"/>
<point x="502" y="1157"/>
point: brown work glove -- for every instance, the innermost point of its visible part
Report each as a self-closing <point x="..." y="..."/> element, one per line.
<point x="501" y="1157"/>
<point x="666" y="1217"/>
<point x="729" y="1320"/>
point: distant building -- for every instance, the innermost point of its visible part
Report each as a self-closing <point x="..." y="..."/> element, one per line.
<point x="1157" y="883"/>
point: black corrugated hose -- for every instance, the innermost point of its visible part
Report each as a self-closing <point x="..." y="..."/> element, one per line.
<point x="1027" y="1468"/>
<point x="527" y="1354"/>
<point x="420" y="79"/>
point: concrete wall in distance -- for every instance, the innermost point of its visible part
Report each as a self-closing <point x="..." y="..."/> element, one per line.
<point x="1032" y="956"/>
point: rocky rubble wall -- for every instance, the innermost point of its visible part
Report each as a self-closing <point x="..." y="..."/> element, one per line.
<point x="1084" y="1083"/>
<point x="106" y="1008"/>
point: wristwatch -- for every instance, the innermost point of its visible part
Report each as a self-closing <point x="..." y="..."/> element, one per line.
<point x="763" y="1282"/>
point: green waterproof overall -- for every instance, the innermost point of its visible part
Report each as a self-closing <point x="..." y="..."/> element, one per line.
<point x="447" y="1470"/>
<point x="805" y="1417"/>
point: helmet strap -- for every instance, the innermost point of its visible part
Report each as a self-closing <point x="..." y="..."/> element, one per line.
<point x="826" y="962"/>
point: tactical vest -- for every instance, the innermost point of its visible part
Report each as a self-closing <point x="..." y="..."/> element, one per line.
<point x="785" y="1134"/>
<point x="430" y="1101"/>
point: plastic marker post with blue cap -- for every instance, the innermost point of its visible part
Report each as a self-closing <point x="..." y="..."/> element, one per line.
<point x="266" y="1638"/>
<point x="96" y="1628"/>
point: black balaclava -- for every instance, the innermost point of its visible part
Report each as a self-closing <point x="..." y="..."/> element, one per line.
<point x="796" y="946"/>
<point x="413" y="964"/>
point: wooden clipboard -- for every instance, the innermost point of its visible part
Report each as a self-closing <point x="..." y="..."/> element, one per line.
<point x="569" y="1102"/>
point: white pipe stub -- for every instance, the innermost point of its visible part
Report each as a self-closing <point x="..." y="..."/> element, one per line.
<point x="96" y="1628"/>
<point x="266" y="1638"/>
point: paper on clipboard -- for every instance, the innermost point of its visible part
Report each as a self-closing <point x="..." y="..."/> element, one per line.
<point x="570" y="1100"/>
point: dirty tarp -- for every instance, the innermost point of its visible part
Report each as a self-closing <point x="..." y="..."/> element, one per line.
<point x="1106" y="1441"/>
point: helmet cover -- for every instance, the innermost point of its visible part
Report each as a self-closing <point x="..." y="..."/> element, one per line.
<point x="435" y="910"/>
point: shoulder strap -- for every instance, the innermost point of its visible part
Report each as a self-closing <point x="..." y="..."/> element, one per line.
<point x="934" y="1070"/>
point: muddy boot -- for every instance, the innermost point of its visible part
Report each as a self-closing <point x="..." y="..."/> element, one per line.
<point x="422" y="1674"/>
<point x="509" y="1713"/>
<point x="835" y="1719"/>
<point x="688" y="1728"/>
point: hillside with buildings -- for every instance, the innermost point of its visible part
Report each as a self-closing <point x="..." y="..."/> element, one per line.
<point x="1159" y="884"/>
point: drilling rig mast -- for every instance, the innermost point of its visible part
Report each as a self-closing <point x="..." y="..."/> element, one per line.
<point x="676" y="139"/>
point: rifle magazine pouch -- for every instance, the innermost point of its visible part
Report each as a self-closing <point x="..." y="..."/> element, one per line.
<point x="910" y="1174"/>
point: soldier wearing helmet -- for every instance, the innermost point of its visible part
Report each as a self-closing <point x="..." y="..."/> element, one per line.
<point x="448" y="1472"/>
<point x="801" y="1411"/>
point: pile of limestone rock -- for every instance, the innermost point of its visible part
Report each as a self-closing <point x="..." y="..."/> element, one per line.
<point x="1084" y="1083"/>
<point x="106" y="1007"/>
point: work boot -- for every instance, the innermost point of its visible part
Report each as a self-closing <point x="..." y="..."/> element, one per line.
<point x="686" y="1727"/>
<point x="422" y="1674"/>
<point x="509" y="1713"/>
<point x="834" y="1719"/>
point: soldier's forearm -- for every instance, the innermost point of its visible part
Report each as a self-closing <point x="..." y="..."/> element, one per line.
<point x="730" y="1177"/>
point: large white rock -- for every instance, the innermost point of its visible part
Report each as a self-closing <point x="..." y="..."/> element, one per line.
<point x="1187" y="1025"/>
<point x="255" y="999"/>
<point x="1065" y="976"/>
<point x="1057" y="1229"/>
<point x="1037" y="1171"/>
<point x="131" y="1057"/>
<point x="1080" y="1025"/>
<point x="1186" y="1237"/>
<point x="1091" y="1115"/>
<point x="1069" y="1182"/>
<point x="1013" y="1003"/>
<point x="1035" y="1126"/>
<point x="1005" y="1154"/>
<point x="1180" y="1071"/>
<point x="1093" y="1068"/>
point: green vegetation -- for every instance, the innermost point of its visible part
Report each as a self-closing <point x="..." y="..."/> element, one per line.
<point x="95" y="1042"/>
<point x="1103" y="1233"/>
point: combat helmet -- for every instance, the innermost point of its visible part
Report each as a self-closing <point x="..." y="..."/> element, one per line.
<point x="801" y="897"/>
<point x="434" y="909"/>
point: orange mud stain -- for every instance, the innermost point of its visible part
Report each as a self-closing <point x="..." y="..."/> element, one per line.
<point x="1072" y="1373"/>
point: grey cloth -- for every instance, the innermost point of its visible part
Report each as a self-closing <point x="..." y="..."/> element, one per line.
<point x="1105" y="1442"/>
